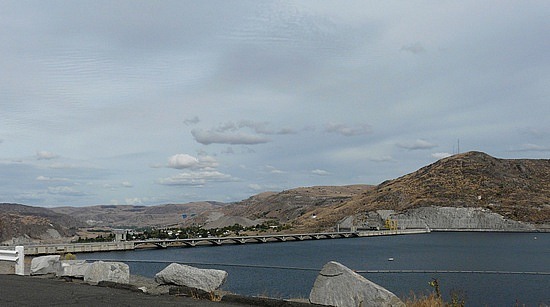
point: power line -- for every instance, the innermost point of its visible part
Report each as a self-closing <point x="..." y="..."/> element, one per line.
<point x="259" y="266"/>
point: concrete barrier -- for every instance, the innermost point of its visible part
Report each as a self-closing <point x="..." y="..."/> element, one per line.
<point x="17" y="256"/>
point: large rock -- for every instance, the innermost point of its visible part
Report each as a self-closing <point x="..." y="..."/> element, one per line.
<point x="336" y="285"/>
<point x="72" y="268"/>
<point x="44" y="264"/>
<point x="184" y="275"/>
<point x="117" y="272"/>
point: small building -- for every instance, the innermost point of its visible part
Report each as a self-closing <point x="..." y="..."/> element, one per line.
<point x="120" y="235"/>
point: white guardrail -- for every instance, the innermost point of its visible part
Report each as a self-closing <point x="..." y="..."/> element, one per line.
<point x="17" y="255"/>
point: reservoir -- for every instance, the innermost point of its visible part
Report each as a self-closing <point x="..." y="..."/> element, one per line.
<point x="289" y="269"/>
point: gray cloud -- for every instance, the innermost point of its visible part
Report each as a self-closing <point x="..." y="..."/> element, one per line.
<point x="191" y="121"/>
<point x="207" y="137"/>
<point x="418" y="144"/>
<point x="384" y="158"/>
<point x="347" y="130"/>
<point x="414" y="48"/>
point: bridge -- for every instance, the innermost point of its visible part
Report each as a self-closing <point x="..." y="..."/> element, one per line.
<point x="165" y="243"/>
<point x="45" y="249"/>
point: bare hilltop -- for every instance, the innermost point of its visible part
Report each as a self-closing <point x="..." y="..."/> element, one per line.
<point x="470" y="190"/>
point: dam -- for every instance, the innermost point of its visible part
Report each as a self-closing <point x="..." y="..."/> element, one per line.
<point x="49" y="249"/>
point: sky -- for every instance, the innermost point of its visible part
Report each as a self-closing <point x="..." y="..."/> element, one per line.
<point x="154" y="102"/>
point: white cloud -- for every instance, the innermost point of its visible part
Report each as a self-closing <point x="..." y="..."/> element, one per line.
<point x="185" y="161"/>
<point x="181" y="161"/>
<point x="126" y="184"/>
<point x="62" y="166"/>
<point x="208" y="162"/>
<point x="418" y="144"/>
<point x="45" y="178"/>
<point x="45" y="155"/>
<point x="273" y="170"/>
<point x="347" y="130"/>
<point x="65" y="190"/>
<point x="196" y="178"/>
<point x="255" y="187"/>
<point x="320" y="172"/>
<point x="441" y="155"/>
<point x="134" y="201"/>
<point x="212" y="137"/>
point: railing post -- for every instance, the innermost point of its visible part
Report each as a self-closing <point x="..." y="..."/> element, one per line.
<point x="20" y="262"/>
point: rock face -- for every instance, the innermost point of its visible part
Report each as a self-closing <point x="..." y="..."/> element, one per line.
<point x="107" y="271"/>
<point x="457" y="218"/>
<point x="72" y="268"/>
<point x="44" y="264"/>
<point x="184" y="275"/>
<point x="336" y="285"/>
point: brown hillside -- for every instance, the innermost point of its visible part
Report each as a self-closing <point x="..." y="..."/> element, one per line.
<point x="518" y="189"/>
<point x="288" y="205"/>
<point x="34" y="223"/>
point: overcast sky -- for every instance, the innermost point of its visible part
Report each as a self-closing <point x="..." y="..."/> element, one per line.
<point x="152" y="102"/>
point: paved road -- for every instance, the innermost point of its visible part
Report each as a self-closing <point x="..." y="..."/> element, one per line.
<point x="32" y="291"/>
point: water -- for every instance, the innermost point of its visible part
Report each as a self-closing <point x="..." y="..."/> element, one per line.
<point x="434" y="251"/>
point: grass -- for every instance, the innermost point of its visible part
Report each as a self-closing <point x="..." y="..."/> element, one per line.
<point x="434" y="299"/>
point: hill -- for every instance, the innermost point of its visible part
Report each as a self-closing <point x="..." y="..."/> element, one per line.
<point x="137" y="216"/>
<point x="285" y="206"/>
<point x="27" y="223"/>
<point x="517" y="189"/>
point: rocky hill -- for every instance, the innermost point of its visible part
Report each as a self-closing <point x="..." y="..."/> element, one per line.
<point x="20" y="224"/>
<point x="138" y="216"/>
<point x="516" y="189"/>
<point x="285" y="206"/>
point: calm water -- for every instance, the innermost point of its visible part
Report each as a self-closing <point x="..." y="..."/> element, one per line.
<point x="435" y="251"/>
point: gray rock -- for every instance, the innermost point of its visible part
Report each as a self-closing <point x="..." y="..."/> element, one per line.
<point x="336" y="285"/>
<point x="184" y="275"/>
<point x="72" y="268"/>
<point x="456" y="218"/>
<point x="44" y="264"/>
<point x="117" y="272"/>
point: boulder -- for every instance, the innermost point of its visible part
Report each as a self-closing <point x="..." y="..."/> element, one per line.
<point x="44" y="264"/>
<point x="99" y="271"/>
<point x="183" y="275"/>
<point x="72" y="268"/>
<point x="336" y="285"/>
